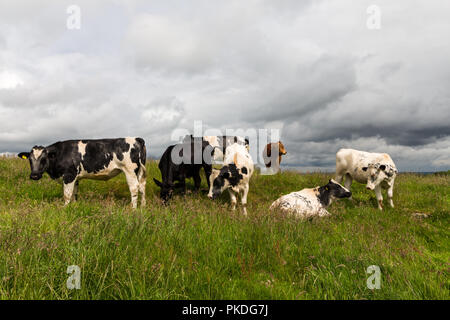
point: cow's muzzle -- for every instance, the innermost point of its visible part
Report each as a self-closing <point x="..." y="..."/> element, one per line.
<point x="35" y="176"/>
<point x="213" y="196"/>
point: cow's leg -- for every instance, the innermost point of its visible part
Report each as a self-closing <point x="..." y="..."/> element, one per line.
<point x="68" y="191"/>
<point x="323" y="213"/>
<point x="244" y="199"/>
<point x="390" y="194"/>
<point x="133" y="185"/>
<point x="348" y="183"/>
<point x="75" y="192"/>
<point x="233" y="199"/>
<point x="379" y="197"/>
<point x="197" y="180"/>
<point x="182" y="184"/>
<point x="339" y="176"/>
<point x="142" y="175"/>
<point x="208" y="171"/>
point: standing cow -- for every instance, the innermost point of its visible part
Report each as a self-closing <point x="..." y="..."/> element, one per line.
<point x="100" y="159"/>
<point x="234" y="176"/>
<point x="183" y="161"/>
<point x="274" y="151"/>
<point x="376" y="170"/>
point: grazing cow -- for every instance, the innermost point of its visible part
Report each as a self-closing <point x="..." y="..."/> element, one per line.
<point x="221" y="143"/>
<point x="233" y="176"/>
<point x="277" y="148"/>
<point x="176" y="164"/>
<point x="100" y="159"/>
<point x="307" y="203"/>
<point x="376" y="170"/>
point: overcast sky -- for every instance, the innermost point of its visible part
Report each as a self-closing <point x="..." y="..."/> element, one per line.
<point x="312" y="69"/>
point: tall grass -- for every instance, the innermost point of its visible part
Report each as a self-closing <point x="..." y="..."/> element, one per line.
<point x="195" y="248"/>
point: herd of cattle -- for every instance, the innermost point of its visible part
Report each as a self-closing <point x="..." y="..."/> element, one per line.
<point x="73" y="160"/>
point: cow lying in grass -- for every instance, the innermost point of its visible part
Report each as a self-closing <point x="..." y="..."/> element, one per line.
<point x="308" y="203"/>
<point x="234" y="176"/>
<point x="101" y="159"/>
<point x="376" y="170"/>
<point x="183" y="161"/>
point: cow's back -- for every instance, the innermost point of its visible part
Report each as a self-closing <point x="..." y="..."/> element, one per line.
<point x="105" y="158"/>
<point x="240" y="154"/>
<point x="302" y="204"/>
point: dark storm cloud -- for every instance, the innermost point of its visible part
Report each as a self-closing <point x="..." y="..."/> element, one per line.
<point x="313" y="88"/>
<point x="393" y="135"/>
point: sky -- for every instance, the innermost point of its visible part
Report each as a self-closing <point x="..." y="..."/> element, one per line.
<point x="318" y="71"/>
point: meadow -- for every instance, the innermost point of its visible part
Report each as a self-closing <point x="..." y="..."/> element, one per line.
<point x="195" y="248"/>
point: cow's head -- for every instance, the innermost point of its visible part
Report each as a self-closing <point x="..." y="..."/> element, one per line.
<point x="377" y="173"/>
<point x="166" y="190"/>
<point x="214" y="174"/>
<point x="39" y="159"/>
<point x="332" y="190"/>
<point x="282" y="151"/>
<point x="228" y="176"/>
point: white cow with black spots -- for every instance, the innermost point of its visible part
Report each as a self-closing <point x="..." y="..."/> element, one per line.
<point x="234" y="176"/>
<point x="308" y="203"/>
<point x="376" y="170"/>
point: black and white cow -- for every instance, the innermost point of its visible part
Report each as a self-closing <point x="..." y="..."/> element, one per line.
<point x="234" y="176"/>
<point x="376" y="170"/>
<point x="102" y="159"/>
<point x="308" y="203"/>
<point x="221" y="143"/>
<point x="183" y="161"/>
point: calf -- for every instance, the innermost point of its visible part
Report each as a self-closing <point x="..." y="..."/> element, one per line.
<point x="376" y="170"/>
<point x="276" y="148"/>
<point x="101" y="159"/>
<point x="308" y="203"/>
<point x="183" y="161"/>
<point x="233" y="176"/>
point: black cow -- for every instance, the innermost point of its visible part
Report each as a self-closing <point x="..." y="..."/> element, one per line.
<point x="183" y="161"/>
<point x="101" y="159"/>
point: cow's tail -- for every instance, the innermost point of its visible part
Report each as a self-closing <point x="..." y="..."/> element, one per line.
<point x="142" y="173"/>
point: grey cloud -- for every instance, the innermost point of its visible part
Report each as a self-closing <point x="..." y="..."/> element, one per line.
<point x="314" y="87"/>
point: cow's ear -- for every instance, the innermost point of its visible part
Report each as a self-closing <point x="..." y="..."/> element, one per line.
<point x="158" y="183"/>
<point x="383" y="167"/>
<point x="24" y="155"/>
<point x="364" y="169"/>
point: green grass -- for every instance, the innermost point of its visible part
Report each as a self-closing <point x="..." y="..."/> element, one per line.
<point x="195" y="248"/>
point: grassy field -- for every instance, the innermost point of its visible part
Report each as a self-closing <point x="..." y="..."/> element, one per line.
<point x="195" y="248"/>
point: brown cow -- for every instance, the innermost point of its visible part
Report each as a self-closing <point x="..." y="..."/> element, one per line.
<point x="267" y="153"/>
